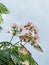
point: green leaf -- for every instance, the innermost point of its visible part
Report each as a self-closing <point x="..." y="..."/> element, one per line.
<point x="24" y="57"/>
<point x="11" y="63"/>
<point x="3" y="9"/>
<point x="14" y="57"/>
<point x="4" y="44"/>
<point x="15" y="48"/>
<point x="2" y="62"/>
<point x="5" y="56"/>
<point x="1" y="19"/>
<point x="38" y="48"/>
<point x="28" y="57"/>
<point x="32" y="61"/>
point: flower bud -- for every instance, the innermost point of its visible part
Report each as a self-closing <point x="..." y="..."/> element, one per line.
<point x="36" y="36"/>
<point x="14" y="25"/>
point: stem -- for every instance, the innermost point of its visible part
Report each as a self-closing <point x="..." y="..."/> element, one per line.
<point x="16" y="42"/>
<point x="24" y="43"/>
<point x="11" y="38"/>
<point x="26" y="49"/>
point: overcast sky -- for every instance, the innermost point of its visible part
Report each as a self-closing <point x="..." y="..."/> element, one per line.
<point x="36" y="11"/>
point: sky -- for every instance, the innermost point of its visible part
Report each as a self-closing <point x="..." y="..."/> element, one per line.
<point x="36" y="11"/>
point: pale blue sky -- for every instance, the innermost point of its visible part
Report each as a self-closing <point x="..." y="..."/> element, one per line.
<point x="36" y="11"/>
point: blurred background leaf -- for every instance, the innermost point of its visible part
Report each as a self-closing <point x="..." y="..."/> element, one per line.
<point x="3" y="9"/>
<point x="0" y="28"/>
<point x="1" y="19"/>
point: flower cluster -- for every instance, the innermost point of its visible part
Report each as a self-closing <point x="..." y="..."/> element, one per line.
<point x="32" y="35"/>
<point x="29" y="37"/>
<point x="29" y="26"/>
<point x="14" y="29"/>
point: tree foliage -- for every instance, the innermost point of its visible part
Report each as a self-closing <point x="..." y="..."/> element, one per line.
<point x="17" y="53"/>
<point x="3" y="10"/>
